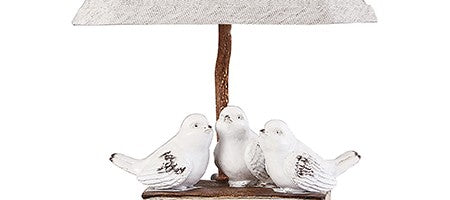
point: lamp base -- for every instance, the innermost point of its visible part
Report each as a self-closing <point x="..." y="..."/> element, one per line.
<point x="219" y="190"/>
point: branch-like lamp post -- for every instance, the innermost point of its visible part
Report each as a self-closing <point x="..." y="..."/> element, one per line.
<point x="222" y="66"/>
<point x="221" y="76"/>
<point x="224" y="13"/>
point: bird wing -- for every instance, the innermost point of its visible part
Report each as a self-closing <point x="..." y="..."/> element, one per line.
<point x="255" y="161"/>
<point x="216" y="155"/>
<point x="309" y="173"/>
<point x="165" y="169"/>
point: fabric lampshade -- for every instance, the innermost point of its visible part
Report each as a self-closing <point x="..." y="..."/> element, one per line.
<point x="146" y="12"/>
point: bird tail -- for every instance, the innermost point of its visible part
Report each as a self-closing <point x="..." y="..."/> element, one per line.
<point x="346" y="161"/>
<point x="124" y="162"/>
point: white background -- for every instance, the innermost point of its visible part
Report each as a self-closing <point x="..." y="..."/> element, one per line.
<point x="71" y="96"/>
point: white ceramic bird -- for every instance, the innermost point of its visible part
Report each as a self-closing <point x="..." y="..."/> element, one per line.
<point x="238" y="153"/>
<point x="179" y="163"/>
<point x="294" y="167"/>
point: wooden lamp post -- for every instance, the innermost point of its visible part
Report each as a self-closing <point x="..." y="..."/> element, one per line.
<point x="221" y="77"/>
<point x="224" y="13"/>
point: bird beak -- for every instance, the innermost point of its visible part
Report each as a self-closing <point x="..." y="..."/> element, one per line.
<point x="209" y="129"/>
<point x="227" y="119"/>
<point x="263" y="131"/>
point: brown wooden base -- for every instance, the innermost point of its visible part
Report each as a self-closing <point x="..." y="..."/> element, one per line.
<point x="217" y="190"/>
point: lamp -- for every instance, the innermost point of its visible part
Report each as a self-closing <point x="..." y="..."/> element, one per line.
<point x="224" y="13"/>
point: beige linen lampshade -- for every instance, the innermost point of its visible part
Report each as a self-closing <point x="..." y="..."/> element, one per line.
<point x="146" y="12"/>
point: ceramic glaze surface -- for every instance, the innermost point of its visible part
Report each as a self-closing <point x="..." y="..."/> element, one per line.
<point x="294" y="167"/>
<point x="179" y="163"/>
<point x="238" y="153"/>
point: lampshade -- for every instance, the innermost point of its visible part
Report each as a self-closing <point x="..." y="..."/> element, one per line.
<point x="145" y="12"/>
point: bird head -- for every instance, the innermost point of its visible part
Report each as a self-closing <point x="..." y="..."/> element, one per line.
<point x="232" y="122"/>
<point x="276" y="135"/>
<point x="196" y="127"/>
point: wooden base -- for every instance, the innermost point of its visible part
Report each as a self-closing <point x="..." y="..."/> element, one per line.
<point x="217" y="190"/>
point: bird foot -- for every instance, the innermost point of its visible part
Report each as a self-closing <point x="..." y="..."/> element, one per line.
<point x="289" y="190"/>
<point x="238" y="183"/>
<point x="265" y="185"/>
<point x="177" y="189"/>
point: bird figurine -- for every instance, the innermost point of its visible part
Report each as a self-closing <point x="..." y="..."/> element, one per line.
<point x="238" y="153"/>
<point x="294" y="167"/>
<point x="179" y="163"/>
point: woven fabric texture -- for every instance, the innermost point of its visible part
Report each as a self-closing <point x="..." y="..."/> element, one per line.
<point x="144" y="12"/>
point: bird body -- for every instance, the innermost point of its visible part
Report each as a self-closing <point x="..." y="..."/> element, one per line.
<point x="275" y="168"/>
<point x="231" y="160"/>
<point x="179" y="163"/>
<point x="238" y="153"/>
<point x="294" y="167"/>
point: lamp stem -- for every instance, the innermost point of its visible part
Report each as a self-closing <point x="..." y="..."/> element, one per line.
<point x="221" y="76"/>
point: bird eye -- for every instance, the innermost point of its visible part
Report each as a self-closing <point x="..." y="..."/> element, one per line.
<point x="279" y="132"/>
<point x="196" y="125"/>
<point x="240" y="117"/>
